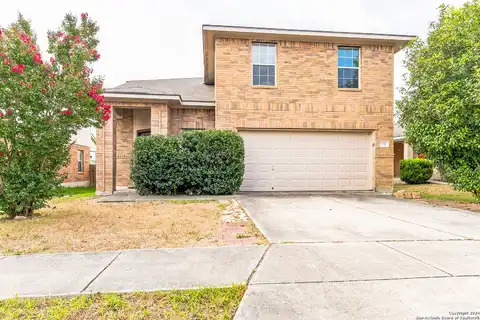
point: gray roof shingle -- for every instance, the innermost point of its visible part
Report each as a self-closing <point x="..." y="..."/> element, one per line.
<point x="189" y="89"/>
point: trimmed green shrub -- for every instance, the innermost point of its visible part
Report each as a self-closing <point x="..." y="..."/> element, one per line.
<point x="158" y="164"/>
<point x="416" y="171"/>
<point x="195" y="162"/>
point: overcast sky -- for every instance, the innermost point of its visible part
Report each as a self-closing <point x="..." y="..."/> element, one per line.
<point x="151" y="39"/>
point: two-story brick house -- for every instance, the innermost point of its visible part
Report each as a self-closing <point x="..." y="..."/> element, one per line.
<point x="315" y="108"/>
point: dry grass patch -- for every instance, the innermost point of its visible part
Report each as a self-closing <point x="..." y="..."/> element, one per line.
<point x="443" y="194"/>
<point x="86" y="225"/>
<point x="208" y="303"/>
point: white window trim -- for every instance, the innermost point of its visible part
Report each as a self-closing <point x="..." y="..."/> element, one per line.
<point x="274" y="65"/>
<point x="358" y="68"/>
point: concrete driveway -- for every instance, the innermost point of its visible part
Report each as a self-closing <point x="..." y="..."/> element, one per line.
<point x="362" y="256"/>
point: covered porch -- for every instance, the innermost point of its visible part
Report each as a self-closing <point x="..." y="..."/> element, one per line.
<point x="135" y="114"/>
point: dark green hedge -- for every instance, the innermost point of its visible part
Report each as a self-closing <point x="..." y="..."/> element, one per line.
<point x="416" y="171"/>
<point x="195" y="162"/>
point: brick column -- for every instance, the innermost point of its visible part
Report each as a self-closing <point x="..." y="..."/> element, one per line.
<point x="105" y="157"/>
<point x="159" y="119"/>
<point x="123" y="148"/>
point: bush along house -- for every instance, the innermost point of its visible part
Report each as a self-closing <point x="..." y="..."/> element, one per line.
<point x="314" y="108"/>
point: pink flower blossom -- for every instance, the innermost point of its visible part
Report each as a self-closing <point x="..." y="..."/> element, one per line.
<point x="18" y="68"/>
<point x="37" y="58"/>
<point x="84" y="15"/>
<point x="25" y="38"/>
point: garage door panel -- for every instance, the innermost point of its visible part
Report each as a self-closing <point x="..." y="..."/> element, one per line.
<point x="307" y="161"/>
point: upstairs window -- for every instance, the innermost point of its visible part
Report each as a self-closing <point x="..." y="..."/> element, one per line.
<point x="264" y="58"/>
<point x="348" y="67"/>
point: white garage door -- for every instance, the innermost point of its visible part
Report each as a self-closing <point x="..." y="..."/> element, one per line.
<point x="307" y="161"/>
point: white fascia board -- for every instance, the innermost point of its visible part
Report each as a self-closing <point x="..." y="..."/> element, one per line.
<point x="158" y="97"/>
<point x="312" y="33"/>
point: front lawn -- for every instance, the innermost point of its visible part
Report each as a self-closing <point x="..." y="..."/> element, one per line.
<point x="208" y="303"/>
<point x="442" y="194"/>
<point x="83" y="224"/>
<point x="78" y="191"/>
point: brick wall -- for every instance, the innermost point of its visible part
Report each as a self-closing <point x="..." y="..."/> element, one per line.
<point x="115" y="140"/>
<point x="181" y="118"/>
<point x="307" y="94"/>
<point x="71" y="170"/>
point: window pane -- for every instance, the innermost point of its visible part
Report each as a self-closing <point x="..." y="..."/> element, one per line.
<point x="345" y="62"/>
<point x="354" y="73"/>
<point x="355" y="62"/>
<point x="263" y="50"/>
<point x="256" y="58"/>
<point x="255" y="49"/>
<point x="264" y="80"/>
<point x="271" y="50"/>
<point x="263" y="59"/>
<point x="256" y="71"/>
<point x="355" y="52"/>
<point x="271" y="70"/>
<point x="271" y="80"/>
<point x="271" y="59"/>
<point x="263" y="70"/>
<point x="348" y="74"/>
<point x="256" y="80"/>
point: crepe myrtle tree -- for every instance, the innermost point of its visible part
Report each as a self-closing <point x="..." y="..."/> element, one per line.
<point x="440" y="107"/>
<point x="43" y="102"/>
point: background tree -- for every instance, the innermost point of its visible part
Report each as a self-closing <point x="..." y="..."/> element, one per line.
<point x="440" y="108"/>
<point x="42" y="104"/>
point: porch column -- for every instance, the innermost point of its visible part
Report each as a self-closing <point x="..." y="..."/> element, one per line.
<point x="159" y="119"/>
<point x="105" y="157"/>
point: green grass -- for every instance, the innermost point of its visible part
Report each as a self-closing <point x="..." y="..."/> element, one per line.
<point x="450" y="197"/>
<point x="443" y="192"/>
<point x="77" y="192"/>
<point x="207" y="303"/>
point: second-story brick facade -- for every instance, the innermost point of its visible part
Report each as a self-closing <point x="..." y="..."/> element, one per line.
<point x="306" y="94"/>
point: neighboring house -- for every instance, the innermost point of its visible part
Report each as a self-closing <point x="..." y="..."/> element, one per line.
<point x="401" y="149"/>
<point x="315" y="108"/>
<point x="82" y="155"/>
<point x="86" y="137"/>
<point x="78" y="170"/>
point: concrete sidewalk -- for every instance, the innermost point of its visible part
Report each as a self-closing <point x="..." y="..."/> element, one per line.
<point x="126" y="271"/>
<point x="133" y="196"/>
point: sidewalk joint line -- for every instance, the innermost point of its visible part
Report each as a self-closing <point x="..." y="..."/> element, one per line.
<point x="360" y="280"/>
<point x="408" y="255"/>
<point x="395" y="218"/>
<point x="370" y="241"/>
<point x="258" y="265"/>
<point x="105" y="268"/>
